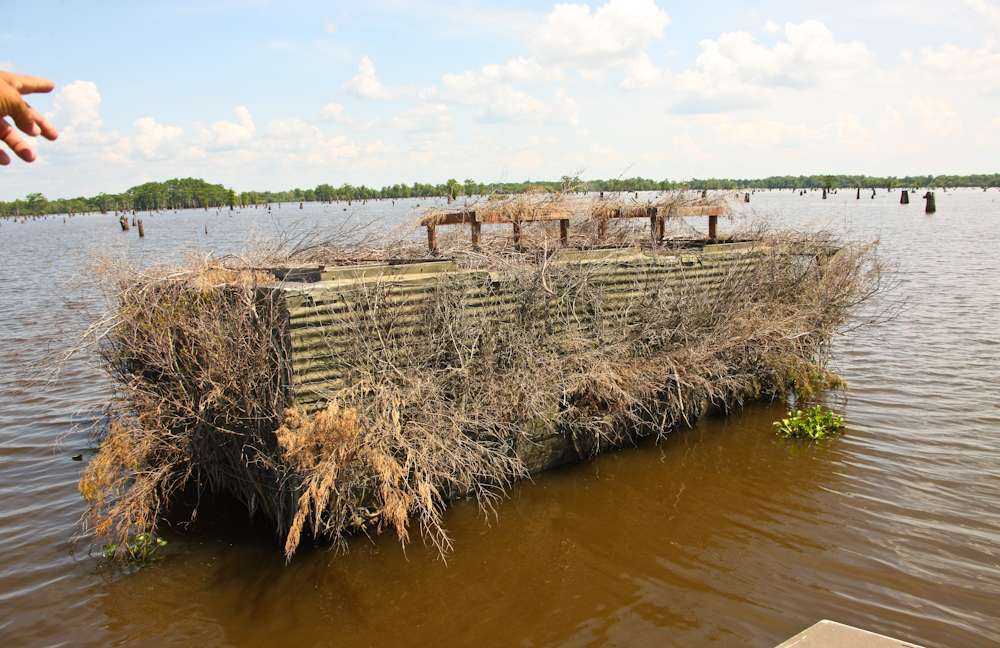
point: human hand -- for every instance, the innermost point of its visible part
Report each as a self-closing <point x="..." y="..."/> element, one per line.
<point x="12" y="86"/>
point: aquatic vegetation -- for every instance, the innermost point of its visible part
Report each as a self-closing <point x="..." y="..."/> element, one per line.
<point x="137" y="549"/>
<point x="812" y="423"/>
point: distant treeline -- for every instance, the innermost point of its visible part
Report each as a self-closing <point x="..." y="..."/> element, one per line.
<point x="189" y="193"/>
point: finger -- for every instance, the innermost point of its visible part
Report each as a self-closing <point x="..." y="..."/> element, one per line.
<point x="4" y="159"/>
<point x="45" y="127"/>
<point x="28" y="84"/>
<point x="22" y="115"/>
<point x="10" y="137"/>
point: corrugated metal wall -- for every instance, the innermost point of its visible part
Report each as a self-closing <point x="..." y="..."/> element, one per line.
<point x="323" y="311"/>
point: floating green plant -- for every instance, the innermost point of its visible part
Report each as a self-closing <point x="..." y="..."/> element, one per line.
<point x="812" y="423"/>
<point x="139" y="548"/>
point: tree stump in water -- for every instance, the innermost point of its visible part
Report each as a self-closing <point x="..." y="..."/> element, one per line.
<point x="905" y="198"/>
<point x="142" y="232"/>
<point x="931" y="205"/>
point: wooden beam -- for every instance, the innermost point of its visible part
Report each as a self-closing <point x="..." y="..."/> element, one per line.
<point x="564" y="231"/>
<point x="432" y="239"/>
<point x="477" y="235"/>
<point x="713" y="222"/>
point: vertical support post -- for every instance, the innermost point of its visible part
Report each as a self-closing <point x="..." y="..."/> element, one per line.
<point x="713" y="226"/>
<point x="602" y="229"/>
<point x="660" y="228"/>
<point x="517" y="233"/>
<point x="477" y="234"/>
<point x="432" y="239"/>
<point x="652" y="229"/>
<point x="564" y="231"/>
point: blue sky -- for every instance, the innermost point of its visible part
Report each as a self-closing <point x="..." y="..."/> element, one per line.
<point x="268" y="95"/>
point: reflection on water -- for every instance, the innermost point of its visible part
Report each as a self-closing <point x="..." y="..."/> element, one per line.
<point x="722" y="533"/>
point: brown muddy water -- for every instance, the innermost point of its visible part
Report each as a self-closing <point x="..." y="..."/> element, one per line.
<point x="722" y="534"/>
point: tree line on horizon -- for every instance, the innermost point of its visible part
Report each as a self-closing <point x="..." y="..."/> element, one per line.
<point x="190" y="193"/>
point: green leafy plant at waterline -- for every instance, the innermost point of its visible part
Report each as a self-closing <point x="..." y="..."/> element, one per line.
<point x="812" y="423"/>
<point x="139" y="549"/>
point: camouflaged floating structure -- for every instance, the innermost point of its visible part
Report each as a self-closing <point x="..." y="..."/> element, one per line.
<point x="319" y="302"/>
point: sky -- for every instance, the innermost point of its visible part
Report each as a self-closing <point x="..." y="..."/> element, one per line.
<point x="261" y="95"/>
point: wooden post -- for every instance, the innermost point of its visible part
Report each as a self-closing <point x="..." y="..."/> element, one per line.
<point x="142" y="232"/>
<point x="661" y="228"/>
<point x="713" y="226"/>
<point x="931" y="204"/>
<point x="859" y="193"/>
<point x="477" y="235"/>
<point x="432" y="239"/>
<point x="517" y="233"/>
<point x="652" y="229"/>
<point x="824" y="193"/>
<point x="300" y="205"/>
<point x="564" y="231"/>
<point x="602" y="229"/>
<point x="904" y="199"/>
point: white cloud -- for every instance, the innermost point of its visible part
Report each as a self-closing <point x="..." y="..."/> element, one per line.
<point x="378" y="147"/>
<point x="509" y="104"/>
<point x="990" y="11"/>
<point x="849" y="130"/>
<point x="366" y="85"/>
<point x="76" y="113"/>
<point x="760" y="133"/>
<point x="490" y="88"/>
<point x="519" y="68"/>
<point x="641" y="73"/>
<point x="156" y="141"/>
<point x="936" y="116"/>
<point x="691" y="149"/>
<point x="423" y="117"/>
<point x="980" y="67"/>
<point x="772" y="27"/>
<point x="6" y="66"/>
<point x="334" y="112"/>
<point x="893" y="121"/>
<point x="737" y="72"/>
<point x="614" y="34"/>
<point x="226" y="134"/>
<point x="330" y="27"/>
<point x="77" y="105"/>
<point x="299" y="143"/>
